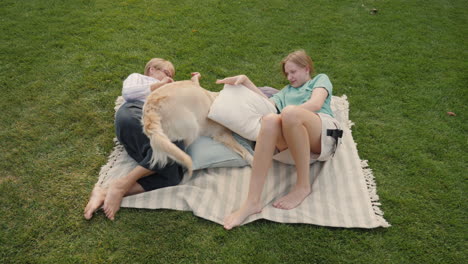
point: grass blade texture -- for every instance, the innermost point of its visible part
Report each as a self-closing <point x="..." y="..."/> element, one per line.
<point x="403" y="66"/>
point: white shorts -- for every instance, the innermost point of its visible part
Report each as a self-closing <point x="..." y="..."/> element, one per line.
<point x="329" y="144"/>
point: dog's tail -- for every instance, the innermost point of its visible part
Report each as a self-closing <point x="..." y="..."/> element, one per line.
<point x="162" y="146"/>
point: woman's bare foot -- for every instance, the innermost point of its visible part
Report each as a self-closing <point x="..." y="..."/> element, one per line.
<point x="95" y="201"/>
<point x="238" y="217"/>
<point x="292" y="199"/>
<point x="115" y="194"/>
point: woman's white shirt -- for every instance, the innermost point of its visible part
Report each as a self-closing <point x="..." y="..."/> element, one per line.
<point x="137" y="87"/>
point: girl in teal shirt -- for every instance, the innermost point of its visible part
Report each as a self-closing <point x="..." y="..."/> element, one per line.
<point x="300" y="126"/>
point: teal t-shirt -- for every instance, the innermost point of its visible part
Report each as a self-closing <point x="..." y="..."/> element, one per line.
<point x="296" y="96"/>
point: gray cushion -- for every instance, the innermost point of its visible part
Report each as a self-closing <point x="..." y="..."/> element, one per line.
<point x="208" y="153"/>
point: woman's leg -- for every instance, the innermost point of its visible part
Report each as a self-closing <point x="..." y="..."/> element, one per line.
<point x="120" y="187"/>
<point x="98" y="196"/>
<point x="302" y="131"/>
<point x="96" y="200"/>
<point x="135" y="189"/>
<point x="129" y="132"/>
<point x="270" y="134"/>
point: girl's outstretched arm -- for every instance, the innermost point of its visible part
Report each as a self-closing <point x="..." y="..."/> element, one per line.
<point x="242" y="80"/>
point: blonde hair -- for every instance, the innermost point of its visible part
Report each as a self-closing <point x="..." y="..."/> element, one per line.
<point x="160" y="64"/>
<point x="300" y="58"/>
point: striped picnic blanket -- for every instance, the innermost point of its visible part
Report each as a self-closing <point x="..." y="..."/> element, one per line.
<point x="343" y="193"/>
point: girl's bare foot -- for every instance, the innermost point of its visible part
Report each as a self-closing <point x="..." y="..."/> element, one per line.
<point x="95" y="201"/>
<point x="114" y="198"/>
<point x="292" y="199"/>
<point x="238" y="217"/>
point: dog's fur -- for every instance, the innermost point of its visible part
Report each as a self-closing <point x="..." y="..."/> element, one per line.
<point x="178" y="111"/>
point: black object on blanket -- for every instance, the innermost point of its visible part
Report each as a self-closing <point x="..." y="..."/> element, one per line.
<point x="335" y="133"/>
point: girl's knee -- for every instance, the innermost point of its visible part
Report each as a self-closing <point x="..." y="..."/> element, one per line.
<point x="290" y="115"/>
<point x="271" y="121"/>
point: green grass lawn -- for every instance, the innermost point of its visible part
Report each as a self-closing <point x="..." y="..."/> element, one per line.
<point x="62" y="67"/>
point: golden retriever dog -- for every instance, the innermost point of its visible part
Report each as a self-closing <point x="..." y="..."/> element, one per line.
<point x="178" y="111"/>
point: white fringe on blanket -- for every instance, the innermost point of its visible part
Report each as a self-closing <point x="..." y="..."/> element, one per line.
<point x="344" y="193"/>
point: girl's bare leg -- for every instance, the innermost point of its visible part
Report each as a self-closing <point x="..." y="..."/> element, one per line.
<point x="269" y="133"/>
<point x="120" y="187"/>
<point x="302" y="132"/>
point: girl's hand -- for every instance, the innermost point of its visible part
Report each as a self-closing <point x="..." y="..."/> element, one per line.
<point x="242" y="80"/>
<point x="235" y="80"/>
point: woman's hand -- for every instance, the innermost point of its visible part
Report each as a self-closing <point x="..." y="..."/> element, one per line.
<point x="167" y="80"/>
<point x="196" y="76"/>
<point x="163" y="82"/>
<point x="235" y="80"/>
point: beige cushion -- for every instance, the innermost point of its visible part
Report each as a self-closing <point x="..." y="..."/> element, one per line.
<point x="241" y="110"/>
